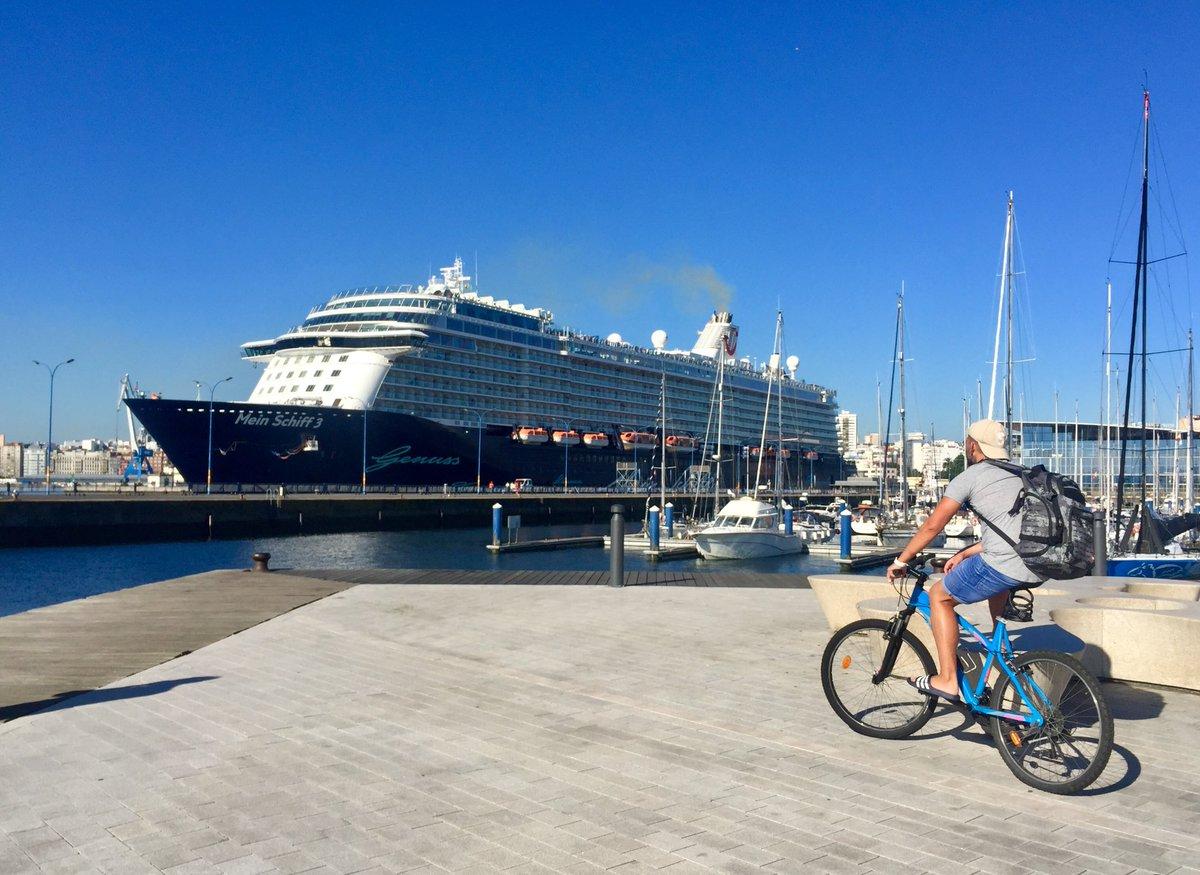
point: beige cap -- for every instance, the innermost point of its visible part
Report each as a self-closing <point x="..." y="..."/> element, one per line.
<point x="991" y="437"/>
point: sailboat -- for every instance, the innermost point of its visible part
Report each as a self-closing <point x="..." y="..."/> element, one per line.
<point x="746" y="527"/>
<point x="899" y="529"/>
<point x="1142" y="538"/>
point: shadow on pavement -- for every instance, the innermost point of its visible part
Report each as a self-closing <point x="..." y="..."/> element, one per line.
<point x="1129" y="702"/>
<point x="75" y="698"/>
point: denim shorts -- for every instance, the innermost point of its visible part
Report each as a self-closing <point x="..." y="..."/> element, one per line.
<point x="973" y="580"/>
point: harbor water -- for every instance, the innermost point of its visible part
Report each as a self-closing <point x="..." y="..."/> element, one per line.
<point x="33" y="577"/>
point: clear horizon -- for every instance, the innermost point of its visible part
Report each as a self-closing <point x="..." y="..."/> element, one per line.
<point x="178" y="185"/>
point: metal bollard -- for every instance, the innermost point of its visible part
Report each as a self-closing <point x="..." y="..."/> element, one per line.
<point x="788" y="520"/>
<point x="616" y="553"/>
<point x="497" y="512"/>
<point x="669" y="519"/>
<point x="652" y="528"/>
<point x="260" y="561"/>
<point x="845" y="532"/>
<point x="1100" y="535"/>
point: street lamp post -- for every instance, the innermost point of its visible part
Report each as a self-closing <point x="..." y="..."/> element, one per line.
<point x="364" y="451"/>
<point x="50" y="426"/>
<point x="363" y="484"/>
<point x="478" y="450"/>
<point x="211" y="396"/>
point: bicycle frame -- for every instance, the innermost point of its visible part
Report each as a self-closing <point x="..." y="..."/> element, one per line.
<point x="996" y="648"/>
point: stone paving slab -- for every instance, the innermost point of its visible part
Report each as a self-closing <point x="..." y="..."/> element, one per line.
<point x="556" y="729"/>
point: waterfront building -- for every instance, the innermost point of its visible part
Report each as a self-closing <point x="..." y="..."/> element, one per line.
<point x="847" y="431"/>
<point x="33" y="461"/>
<point x="11" y="459"/>
<point x="1090" y="454"/>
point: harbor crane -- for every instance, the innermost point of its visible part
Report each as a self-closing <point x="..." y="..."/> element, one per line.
<point x="139" y="459"/>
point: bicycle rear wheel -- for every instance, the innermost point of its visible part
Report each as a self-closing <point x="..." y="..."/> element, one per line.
<point x="1072" y="748"/>
<point x="890" y="708"/>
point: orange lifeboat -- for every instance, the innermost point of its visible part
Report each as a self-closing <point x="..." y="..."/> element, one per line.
<point x="565" y="438"/>
<point x="531" y="435"/>
<point x="631" y="439"/>
<point x="597" y="439"/>
<point x="680" y="442"/>
<point x="771" y="452"/>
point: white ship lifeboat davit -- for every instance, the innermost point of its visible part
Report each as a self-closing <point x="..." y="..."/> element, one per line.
<point x="596" y="439"/>
<point x="681" y="443"/>
<point x="529" y="435"/>
<point x="565" y="438"/>
<point x="631" y="439"/>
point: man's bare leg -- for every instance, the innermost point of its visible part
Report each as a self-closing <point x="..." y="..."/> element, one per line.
<point x="996" y="605"/>
<point x="944" y="622"/>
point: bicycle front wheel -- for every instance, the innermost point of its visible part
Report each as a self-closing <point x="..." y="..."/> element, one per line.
<point x="1071" y="749"/>
<point x="890" y="708"/>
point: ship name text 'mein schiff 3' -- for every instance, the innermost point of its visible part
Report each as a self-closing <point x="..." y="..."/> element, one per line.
<point x="438" y="385"/>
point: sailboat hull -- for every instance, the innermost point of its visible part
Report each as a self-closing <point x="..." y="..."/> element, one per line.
<point x="1155" y="566"/>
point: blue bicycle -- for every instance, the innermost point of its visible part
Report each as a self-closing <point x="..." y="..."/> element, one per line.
<point x="1047" y="713"/>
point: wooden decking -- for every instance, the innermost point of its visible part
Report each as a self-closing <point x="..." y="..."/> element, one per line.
<point x="51" y="653"/>
<point x="552" y="578"/>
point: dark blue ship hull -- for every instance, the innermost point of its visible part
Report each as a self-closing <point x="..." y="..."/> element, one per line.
<point x="265" y="444"/>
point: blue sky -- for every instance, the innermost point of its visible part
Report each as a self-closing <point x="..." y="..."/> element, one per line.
<point x="180" y="179"/>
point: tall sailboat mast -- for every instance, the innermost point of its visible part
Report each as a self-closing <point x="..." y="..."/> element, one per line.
<point x="1008" y="329"/>
<point x="1140" y="311"/>
<point x="903" y="417"/>
<point x="1188" y="490"/>
<point x="1004" y="322"/>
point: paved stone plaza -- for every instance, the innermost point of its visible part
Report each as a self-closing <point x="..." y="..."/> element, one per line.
<point x="567" y="729"/>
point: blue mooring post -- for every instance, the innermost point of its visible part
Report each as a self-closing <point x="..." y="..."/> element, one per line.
<point x="845" y="532"/>
<point x="788" y="516"/>
<point x="669" y="519"/>
<point x="497" y="511"/>
<point x="652" y="526"/>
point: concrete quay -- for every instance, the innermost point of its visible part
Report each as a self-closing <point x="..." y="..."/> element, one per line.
<point x="426" y="724"/>
<point x="105" y="518"/>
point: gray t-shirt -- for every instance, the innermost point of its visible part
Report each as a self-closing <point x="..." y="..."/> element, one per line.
<point x="992" y="492"/>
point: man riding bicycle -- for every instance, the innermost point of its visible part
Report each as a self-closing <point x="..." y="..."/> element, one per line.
<point x="989" y="569"/>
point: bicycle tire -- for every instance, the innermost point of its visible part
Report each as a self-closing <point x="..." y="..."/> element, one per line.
<point x="911" y="708"/>
<point x="1040" y="751"/>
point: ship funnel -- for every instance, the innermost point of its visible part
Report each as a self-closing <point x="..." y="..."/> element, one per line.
<point x="719" y="332"/>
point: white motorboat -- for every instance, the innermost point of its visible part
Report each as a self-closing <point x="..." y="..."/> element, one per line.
<point x="960" y="526"/>
<point x="808" y="526"/>
<point x="747" y="528"/>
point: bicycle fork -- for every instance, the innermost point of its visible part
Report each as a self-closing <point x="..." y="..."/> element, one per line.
<point x="894" y="636"/>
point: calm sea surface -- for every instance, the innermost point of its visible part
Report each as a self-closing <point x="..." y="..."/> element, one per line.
<point x="33" y="577"/>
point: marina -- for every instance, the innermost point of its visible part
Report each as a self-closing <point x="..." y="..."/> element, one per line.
<point x="404" y="466"/>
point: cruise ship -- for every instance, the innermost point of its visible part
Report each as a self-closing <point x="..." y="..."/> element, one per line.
<point x="438" y="385"/>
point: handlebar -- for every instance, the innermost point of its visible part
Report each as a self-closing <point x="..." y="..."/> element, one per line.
<point x="916" y="566"/>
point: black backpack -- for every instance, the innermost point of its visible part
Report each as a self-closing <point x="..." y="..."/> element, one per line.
<point x="1057" y="539"/>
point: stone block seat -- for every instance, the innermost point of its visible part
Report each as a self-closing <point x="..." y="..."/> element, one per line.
<point x="1122" y="628"/>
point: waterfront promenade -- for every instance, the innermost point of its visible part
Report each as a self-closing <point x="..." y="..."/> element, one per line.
<point x="399" y="724"/>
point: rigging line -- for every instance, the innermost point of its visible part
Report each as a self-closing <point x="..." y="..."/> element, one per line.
<point x="891" y="394"/>
<point x="1123" y="220"/>
<point x="1151" y="353"/>
<point x="1151" y="261"/>
<point x="1162" y="161"/>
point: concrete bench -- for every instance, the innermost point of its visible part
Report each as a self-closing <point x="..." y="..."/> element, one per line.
<point x="1122" y="628"/>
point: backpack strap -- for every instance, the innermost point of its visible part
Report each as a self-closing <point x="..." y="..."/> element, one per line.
<point x="1016" y="471"/>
